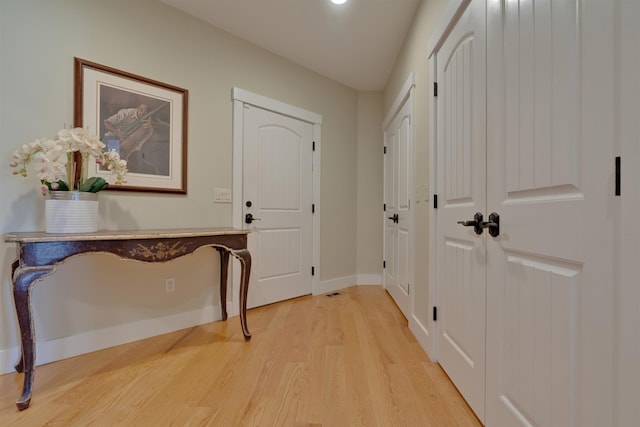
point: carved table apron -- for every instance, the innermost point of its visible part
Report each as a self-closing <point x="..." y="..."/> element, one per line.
<point x="39" y="253"/>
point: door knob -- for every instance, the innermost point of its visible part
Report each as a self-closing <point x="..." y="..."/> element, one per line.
<point x="493" y="224"/>
<point x="249" y="218"/>
<point x="394" y="218"/>
<point x="476" y="223"/>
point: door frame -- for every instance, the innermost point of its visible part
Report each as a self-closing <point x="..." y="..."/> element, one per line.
<point x="628" y="298"/>
<point x="241" y="98"/>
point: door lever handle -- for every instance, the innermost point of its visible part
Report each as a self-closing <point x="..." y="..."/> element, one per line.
<point x="394" y="218"/>
<point x="476" y="223"/>
<point x="493" y="224"/>
<point x="249" y="218"/>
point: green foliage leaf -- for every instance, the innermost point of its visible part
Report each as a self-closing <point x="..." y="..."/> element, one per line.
<point x="93" y="185"/>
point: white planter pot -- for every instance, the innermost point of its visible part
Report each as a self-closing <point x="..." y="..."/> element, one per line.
<point x="71" y="212"/>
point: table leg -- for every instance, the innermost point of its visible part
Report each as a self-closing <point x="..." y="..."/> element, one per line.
<point x="244" y="257"/>
<point x="19" y="367"/>
<point x="224" y="269"/>
<point x="23" y="280"/>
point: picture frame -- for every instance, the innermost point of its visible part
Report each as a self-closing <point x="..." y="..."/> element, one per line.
<point x="144" y="120"/>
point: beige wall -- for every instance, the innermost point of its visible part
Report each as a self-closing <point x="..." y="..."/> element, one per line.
<point x="38" y="40"/>
<point x="370" y="186"/>
<point x="414" y="58"/>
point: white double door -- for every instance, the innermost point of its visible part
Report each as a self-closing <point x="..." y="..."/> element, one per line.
<point x="277" y="198"/>
<point x="525" y="325"/>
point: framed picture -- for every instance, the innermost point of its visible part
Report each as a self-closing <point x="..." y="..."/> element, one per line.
<point x="144" y="120"/>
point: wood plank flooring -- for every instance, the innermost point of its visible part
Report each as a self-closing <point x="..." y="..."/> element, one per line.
<point x="346" y="360"/>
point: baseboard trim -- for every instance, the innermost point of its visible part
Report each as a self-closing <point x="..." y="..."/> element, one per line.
<point x="347" y="281"/>
<point x="369" y="279"/>
<point x="87" y="342"/>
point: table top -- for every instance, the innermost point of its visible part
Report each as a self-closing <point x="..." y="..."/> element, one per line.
<point x="176" y="233"/>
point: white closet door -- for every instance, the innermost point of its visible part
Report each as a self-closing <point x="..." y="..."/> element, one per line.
<point x="550" y="283"/>
<point x="398" y="221"/>
<point x="461" y="148"/>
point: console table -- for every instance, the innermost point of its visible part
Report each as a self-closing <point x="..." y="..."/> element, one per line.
<point x="39" y="253"/>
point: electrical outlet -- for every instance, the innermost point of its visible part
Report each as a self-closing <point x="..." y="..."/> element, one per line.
<point x="169" y="284"/>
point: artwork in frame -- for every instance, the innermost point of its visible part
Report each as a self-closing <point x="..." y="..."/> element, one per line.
<point x="144" y="120"/>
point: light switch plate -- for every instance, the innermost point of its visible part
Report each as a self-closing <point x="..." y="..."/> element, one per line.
<point x="222" y="195"/>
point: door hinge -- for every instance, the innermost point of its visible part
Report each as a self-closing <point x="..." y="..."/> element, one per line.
<point x="384" y="150"/>
<point x="313" y="208"/>
<point x="435" y="201"/>
<point x="384" y="207"/>
<point x="313" y="271"/>
<point x="384" y="264"/>
<point x="618" y="176"/>
<point x="435" y="314"/>
<point x="313" y="146"/>
<point x="435" y="89"/>
<point x="408" y="288"/>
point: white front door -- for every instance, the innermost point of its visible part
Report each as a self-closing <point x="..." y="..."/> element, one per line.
<point x="461" y="157"/>
<point x="277" y="193"/>
<point x="398" y="222"/>
<point x="550" y="159"/>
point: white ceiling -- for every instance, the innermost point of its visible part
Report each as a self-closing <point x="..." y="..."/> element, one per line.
<point x="355" y="43"/>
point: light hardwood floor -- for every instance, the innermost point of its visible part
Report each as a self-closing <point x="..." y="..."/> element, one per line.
<point x="346" y="360"/>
